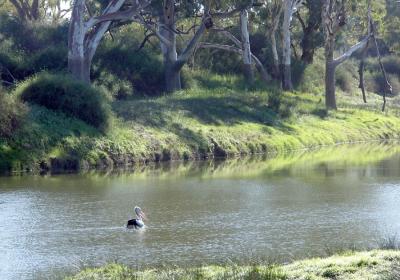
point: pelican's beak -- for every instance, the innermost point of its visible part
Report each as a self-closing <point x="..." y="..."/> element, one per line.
<point x="143" y="215"/>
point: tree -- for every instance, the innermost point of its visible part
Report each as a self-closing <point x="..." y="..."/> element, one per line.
<point x="289" y="7"/>
<point x="166" y="25"/>
<point x="334" y="18"/>
<point x="246" y="51"/>
<point x="271" y="19"/>
<point x="26" y="10"/>
<point x="312" y="36"/>
<point x="85" y="35"/>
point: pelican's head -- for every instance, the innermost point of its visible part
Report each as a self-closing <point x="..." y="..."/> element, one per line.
<point x="139" y="212"/>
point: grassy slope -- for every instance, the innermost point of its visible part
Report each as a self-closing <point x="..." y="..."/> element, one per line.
<point x="194" y="124"/>
<point x="377" y="264"/>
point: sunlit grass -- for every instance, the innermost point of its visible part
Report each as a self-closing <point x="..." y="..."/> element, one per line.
<point x="348" y="265"/>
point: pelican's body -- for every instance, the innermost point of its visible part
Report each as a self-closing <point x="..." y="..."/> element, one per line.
<point x="138" y="221"/>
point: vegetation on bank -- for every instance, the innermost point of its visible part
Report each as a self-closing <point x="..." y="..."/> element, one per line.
<point x="220" y="121"/>
<point x="348" y="265"/>
<point x="50" y="122"/>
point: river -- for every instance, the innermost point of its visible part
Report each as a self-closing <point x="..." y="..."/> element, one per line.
<point x="291" y="206"/>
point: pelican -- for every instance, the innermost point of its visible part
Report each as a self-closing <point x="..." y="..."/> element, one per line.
<point x="138" y="221"/>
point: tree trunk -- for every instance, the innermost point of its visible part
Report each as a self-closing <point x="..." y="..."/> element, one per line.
<point x="286" y="47"/>
<point x="330" y="95"/>
<point x="78" y="62"/>
<point x="79" y="67"/>
<point x="276" y="70"/>
<point x="173" y="79"/>
<point x="307" y="46"/>
<point x="287" y="77"/>
<point x="170" y="56"/>
<point x="330" y="81"/>
<point x="248" y="70"/>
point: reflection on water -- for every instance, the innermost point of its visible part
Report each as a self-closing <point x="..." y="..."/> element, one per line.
<point x="201" y="212"/>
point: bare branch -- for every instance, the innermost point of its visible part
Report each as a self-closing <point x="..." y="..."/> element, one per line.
<point x="350" y="51"/>
<point x="145" y="40"/>
<point x="264" y="75"/>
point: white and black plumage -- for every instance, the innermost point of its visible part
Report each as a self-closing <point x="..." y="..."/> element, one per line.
<point x="138" y="221"/>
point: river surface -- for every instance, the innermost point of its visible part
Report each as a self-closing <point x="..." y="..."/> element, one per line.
<point x="199" y="213"/>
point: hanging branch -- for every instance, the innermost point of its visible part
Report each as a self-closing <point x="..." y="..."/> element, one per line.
<point x="388" y="85"/>
<point x="361" y="72"/>
<point x="372" y="34"/>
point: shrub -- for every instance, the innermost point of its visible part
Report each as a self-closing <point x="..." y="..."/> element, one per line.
<point x="61" y="92"/>
<point x="344" y="80"/>
<point x="30" y="37"/>
<point x="187" y="79"/>
<point x="26" y="48"/>
<point x="143" y="69"/>
<point x="12" y="114"/>
<point x="391" y="64"/>
<point x="52" y="58"/>
<point x="375" y="82"/>
<point x="312" y="79"/>
<point x="114" y="87"/>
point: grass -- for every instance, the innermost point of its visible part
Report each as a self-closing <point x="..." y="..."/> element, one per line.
<point x="348" y="265"/>
<point x="220" y="121"/>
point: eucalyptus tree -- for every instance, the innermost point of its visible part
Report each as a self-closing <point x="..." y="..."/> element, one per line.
<point x="269" y="19"/>
<point x="164" y="26"/>
<point x="38" y="10"/>
<point x="311" y="23"/>
<point x="244" y="32"/>
<point x="334" y="16"/>
<point x="241" y="44"/>
<point x="272" y="17"/>
<point x="27" y="10"/>
<point x="289" y="7"/>
<point x="87" y="30"/>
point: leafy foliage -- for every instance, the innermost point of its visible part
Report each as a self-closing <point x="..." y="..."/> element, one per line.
<point x="62" y="93"/>
<point x="12" y="114"/>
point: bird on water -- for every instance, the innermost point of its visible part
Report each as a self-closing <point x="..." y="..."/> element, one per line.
<point x="138" y="221"/>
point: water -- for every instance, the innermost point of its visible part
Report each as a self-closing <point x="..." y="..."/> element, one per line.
<point x="210" y="212"/>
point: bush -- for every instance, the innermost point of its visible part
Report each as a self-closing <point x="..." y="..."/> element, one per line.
<point x="344" y="80"/>
<point x="61" y="92"/>
<point x="12" y="114"/>
<point x="187" y="79"/>
<point x="26" y="48"/>
<point x="312" y="79"/>
<point x="143" y="69"/>
<point x="391" y="64"/>
<point x="54" y="58"/>
<point x="114" y="87"/>
<point x="375" y="82"/>
<point x="31" y="37"/>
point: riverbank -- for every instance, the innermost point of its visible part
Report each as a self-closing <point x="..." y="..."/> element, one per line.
<point x="376" y="264"/>
<point x="194" y="124"/>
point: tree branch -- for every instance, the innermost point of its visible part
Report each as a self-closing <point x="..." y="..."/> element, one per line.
<point x="264" y="75"/>
<point x="349" y="52"/>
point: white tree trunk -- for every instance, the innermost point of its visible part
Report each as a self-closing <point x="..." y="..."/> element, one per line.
<point x="77" y="62"/>
<point x="168" y="49"/>
<point x="84" y="37"/>
<point x="248" y="71"/>
<point x="286" y="46"/>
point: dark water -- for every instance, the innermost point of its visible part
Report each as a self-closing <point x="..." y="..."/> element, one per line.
<point x="208" y="212"/>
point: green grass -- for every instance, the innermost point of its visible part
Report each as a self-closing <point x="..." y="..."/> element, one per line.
<point x="220" y="121"/>
<point x="348" y="265"/>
